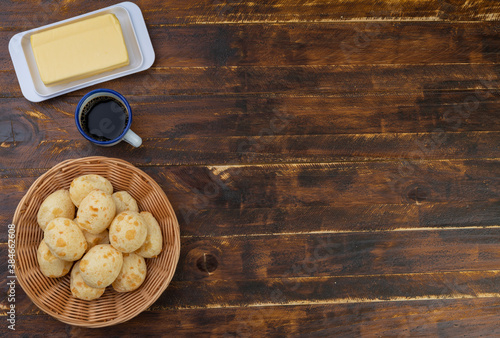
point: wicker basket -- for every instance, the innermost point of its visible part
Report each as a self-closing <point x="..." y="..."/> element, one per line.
<point x="53" y="295"/>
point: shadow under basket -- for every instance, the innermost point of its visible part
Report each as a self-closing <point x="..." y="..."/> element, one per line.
<point x="53" y="295"/>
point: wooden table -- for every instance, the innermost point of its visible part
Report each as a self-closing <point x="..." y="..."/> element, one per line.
<point x="334" y="165"/>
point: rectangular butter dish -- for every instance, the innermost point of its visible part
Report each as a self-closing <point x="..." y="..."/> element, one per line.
<point x="137" y="41"/>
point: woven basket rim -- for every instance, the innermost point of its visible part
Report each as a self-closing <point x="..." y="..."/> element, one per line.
<point x="24" y="202"/>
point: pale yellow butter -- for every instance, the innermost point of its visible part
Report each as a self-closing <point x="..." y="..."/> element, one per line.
<point x="79" y="50"/>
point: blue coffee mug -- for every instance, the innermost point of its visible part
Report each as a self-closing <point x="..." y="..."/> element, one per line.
<point x="111" y="118"/>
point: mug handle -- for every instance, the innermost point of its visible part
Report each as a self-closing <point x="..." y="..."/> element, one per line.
<point x="132" y="138"/>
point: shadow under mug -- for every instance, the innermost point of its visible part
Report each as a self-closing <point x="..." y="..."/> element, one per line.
<point x="126" y="135"/>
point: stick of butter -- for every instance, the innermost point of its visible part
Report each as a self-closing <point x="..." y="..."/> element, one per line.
<point x="79" y="50"/>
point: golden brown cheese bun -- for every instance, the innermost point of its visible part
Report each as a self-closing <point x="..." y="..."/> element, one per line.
<point x="57" y="204"/>
<point x="124" y="202"/>
<point x="96" y="212"/>
<point x="82" y="186"/>
<point x="154" y="240"/>
<point x="65" y="239"/>
<point x="132" y="274"/>
<point x="101" y="265"/>
<point x="80" y="289"/>
<point x="50" y="265"/>
<point x="128" y="231"/>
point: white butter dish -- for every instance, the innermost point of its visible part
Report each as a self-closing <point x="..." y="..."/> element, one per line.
<point x="137" y="40"/>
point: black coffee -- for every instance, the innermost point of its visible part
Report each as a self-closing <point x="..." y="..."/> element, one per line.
<point x="104" y="118"/>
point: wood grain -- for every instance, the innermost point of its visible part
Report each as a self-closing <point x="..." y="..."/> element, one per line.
<point x="243" y="150"/>
<point x="304" y="80"/>
<point x="334" y="166"/>
<point x="207" y="12"/>
<point x="334" y="268"/>
<point x="379" y="254"/>
<point x="249" y="115"/>
<point x="219" y="294"/>
<point x="382" y="254"/>
<point x="226" y="200"/>
<point x="319" y="44"/>
<point x="381" y="183"/>
<point x="251" y="129"/>
<point x="447" y="317"/>
<point x="428" y="318"/>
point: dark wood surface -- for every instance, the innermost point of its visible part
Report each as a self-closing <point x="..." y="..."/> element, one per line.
<point x="334" y="165"/>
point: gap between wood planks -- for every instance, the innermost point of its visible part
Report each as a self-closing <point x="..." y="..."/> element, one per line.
<point x="281" y="94"/>
<point x="297" y="22"/>
<point x="299" y="303"/>
<point x="340" y="301"/>
<point x="430" y="297"/>
<point x="286" y="95"/>
<point x="329" y="65"/>
<point x="6" y="172"/>
<point x="323" y="21"/>
<point x="344" y="65"/>
<point x="306" y="135"/>
<point x="346" y="231"/>
<point x="35" y="311"/>
<point x="324" y="232"/>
